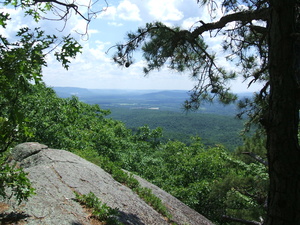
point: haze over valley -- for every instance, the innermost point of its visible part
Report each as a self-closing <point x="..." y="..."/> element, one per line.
<point x="214" y="123"/>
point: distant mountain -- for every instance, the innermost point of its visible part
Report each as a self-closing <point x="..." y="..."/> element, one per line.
<point x="172" y="94"/>
<point x="146" y="94"/>
<point x="65" y="92"/>
<point x="84" y="92"/>
<point x="170" y="100"/>
<point x="214" y="122"/>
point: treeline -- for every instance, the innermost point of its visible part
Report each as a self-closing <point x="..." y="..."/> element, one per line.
<point x="210" y="179"/>
<point x="181" y="126"/>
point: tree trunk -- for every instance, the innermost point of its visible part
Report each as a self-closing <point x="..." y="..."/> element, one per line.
<point x="283" y="116"/>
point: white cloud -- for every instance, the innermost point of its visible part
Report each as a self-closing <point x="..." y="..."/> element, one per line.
<point x="115" y="24"/>
<point x="79" y="26"/>
<point x="125" y="11"/>
<point x="190" y="23"/>
<point x="128" y="11"/>
<point x="17" y="21"/>
<point x="98" y="52"/>
<point x="164" y="10"/>
<point x="108" y="13"/>
<point x="95" y="69"/>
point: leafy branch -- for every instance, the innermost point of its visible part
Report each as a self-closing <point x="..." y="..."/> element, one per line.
<point x="60" y="10"/>
<point x="16" y="180"/>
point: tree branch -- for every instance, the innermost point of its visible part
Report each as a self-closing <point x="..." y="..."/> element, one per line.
<point x="258" y="29"/>
<point x="245" y="16"/>
<point x="67" y="5"/>
<point x="256" y="157"/>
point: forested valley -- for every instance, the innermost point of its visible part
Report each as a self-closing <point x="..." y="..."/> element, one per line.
<point x="254" y="181"/>
<point x="213" y="122"/>
<point x="216" y="182"/>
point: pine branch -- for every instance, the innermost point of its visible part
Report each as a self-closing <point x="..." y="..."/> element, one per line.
<point x="245" y="16"/>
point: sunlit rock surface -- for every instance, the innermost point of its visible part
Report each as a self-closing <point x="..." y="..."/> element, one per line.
<point x="56" y="174"/>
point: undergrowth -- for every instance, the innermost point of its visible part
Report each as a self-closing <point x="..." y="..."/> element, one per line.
<point x="101" y="211"/>
<point x="127" y="179"/>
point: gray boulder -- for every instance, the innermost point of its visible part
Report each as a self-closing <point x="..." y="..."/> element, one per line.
<point x="56" y="174"/>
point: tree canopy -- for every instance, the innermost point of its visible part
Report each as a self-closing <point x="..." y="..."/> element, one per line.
<point x="262" y="41"/>
<point x="185" y="50"/>
<point x="21" y="63"/>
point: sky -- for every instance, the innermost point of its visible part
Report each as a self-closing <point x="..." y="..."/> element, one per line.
<point x="94" y="68"/>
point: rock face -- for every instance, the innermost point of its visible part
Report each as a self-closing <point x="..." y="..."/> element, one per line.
<point x="56" y="174"/>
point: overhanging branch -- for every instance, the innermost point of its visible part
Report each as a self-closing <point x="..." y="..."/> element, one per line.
<point x="256" y="157"/>
<point x="245" y="16"/>
<point x="67" y="5"/>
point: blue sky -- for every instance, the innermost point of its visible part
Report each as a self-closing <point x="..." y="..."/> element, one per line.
<point x="94" y="67"/>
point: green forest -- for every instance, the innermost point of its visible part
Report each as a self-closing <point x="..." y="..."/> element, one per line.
<point x="255" y="181"/>
<point x="212" y="128"/>
<point x="213" y="122"/>
<point x="209" y="178"/>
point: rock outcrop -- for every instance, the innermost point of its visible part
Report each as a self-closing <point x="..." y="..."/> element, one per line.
<point x="56" y="174"/>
